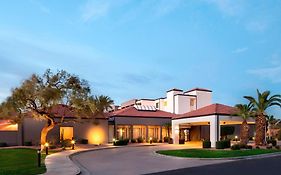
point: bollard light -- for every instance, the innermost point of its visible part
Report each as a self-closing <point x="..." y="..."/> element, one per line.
<point x="47" y="148"/>
<point x="73" y="143"/>
<point x="39" y="157"/>
<point x="150" y="140"/>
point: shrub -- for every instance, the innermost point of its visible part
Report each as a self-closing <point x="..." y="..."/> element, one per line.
<point x="257" y="147"/>
<point x="220" y="145"/>
<point x="269" y="147"/>
<point x="206" y="144"/>
<point x="160" y="141"/>
<point x="121" y="142"/>
<point x="170" y="141"/>
<point x="52" y="146"/>
<point x="166" y="139"/>
<point x="3" y="144"/>
<point x="66" y="143"/>
<point x="272" y="141"/>
<point x="181" y="141"/>
<point x="277" y="147"/>
<point x="154" y="140"/>
<point x="249" y="147"/>
<point x="235" y="147"/>
<point x="133" y="141"/>
<point x="223" y="144"/>
<point x="140" y="140"/>
<point x="84" y="141"/>
<point x="243" y="146"/>
<point x="29" y="143"/>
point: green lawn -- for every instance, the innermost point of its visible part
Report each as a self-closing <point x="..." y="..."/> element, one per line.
<point x="203" y="153"/>
<point x="20" y="161"/>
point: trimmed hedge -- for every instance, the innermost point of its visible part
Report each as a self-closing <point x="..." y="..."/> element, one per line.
<point x="66" y="143"/>
<point x="171" y="141"/>
<point x="223" y="144"/>
<point x="121" y="142"/>
<point x="206" y="144"/>
<point x="84" y="141"/>
<point x="133" y="141"/>
<point x="3" y="144"/>
<point x="166" y="139"/>
<point x="181" y="141"/>
<point x="140" y="140"/>
<point x="27" y="143"/>
<point x="235" y="147"/>
<point x="272" y="141"/>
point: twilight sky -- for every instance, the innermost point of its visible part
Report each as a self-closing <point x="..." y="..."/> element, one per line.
<point x="141" y="48"/>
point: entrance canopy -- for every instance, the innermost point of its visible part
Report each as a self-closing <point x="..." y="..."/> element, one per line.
<point x="214" y="116"/>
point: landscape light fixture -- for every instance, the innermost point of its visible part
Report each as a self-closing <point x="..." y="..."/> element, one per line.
<point x="150" y="140"/>
<point x="72" y="143"/>
<point x="47" y="148"/>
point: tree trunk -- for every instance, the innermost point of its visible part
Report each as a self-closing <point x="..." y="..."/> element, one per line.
<point x="260" y="130"/>
<point x="244" y="132"/>
<point x="44" y="132"/>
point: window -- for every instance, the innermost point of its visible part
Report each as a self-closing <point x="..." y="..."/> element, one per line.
<point x="192" y="102"/>
<point x="66" y="133"/>
<point x="6" y="125"/>
<point x="157" y="105"/>
<point x="165" y="103"/>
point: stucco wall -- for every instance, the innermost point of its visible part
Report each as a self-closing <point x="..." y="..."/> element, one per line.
<point x="9" y="137"/>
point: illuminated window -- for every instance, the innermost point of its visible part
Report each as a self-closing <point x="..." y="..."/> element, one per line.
<point x="6" y="125"/>
<point x="66" y="133"/>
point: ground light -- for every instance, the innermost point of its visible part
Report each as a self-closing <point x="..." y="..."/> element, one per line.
<point x="39" y="157"/>
<point x="73" y="144"/>
<point x="47" y="148"/>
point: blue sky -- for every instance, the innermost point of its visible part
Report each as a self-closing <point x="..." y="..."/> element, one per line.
<point x="141" y="48"/>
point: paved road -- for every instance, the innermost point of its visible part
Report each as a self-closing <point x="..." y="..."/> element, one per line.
<point x="133" y="160"/>
<point x="265" y="166"/>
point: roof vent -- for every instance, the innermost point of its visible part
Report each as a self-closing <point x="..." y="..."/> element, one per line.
<point x="144" y="108"/>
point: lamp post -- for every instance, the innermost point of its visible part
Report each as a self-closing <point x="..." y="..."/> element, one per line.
<point x="236" y="139"/>
<point x="47" y="148"/>
<point x="39" y="157"/>
<point x="73" y="143"/>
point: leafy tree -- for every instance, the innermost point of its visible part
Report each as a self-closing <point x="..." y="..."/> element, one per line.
<point x="245" y="112"/>
<point x="260" y="105"/>
<point x="50" y="97"/>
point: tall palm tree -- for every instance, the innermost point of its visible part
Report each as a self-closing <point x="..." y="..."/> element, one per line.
<point x="261" y="104"/>
<point x="270" y="122"/>
<point x="102" y="104"/>
<point x="245" y="112"/>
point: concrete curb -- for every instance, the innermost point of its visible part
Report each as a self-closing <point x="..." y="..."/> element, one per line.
<point x="260" y="156"/>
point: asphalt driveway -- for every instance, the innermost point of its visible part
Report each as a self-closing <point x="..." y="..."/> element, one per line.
<point x="264" y="166"/>
<point x="133" y="160"/>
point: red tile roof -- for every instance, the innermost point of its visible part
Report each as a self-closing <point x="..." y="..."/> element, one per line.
<point x="214" y="109"/>
<point x="198" y="89"/>
<point x="133" y="112"/>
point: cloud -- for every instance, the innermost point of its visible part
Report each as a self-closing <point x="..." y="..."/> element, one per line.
<point x="94" y="9"/>
<point x="240" y="50"/>
<point x="271" y="73"/>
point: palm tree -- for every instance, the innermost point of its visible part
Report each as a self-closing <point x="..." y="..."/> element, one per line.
<point x="98" y="106"/>
<point x="270" y="122"/>
<point x="261" y="104"/>
<point x="245" y="112"/>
